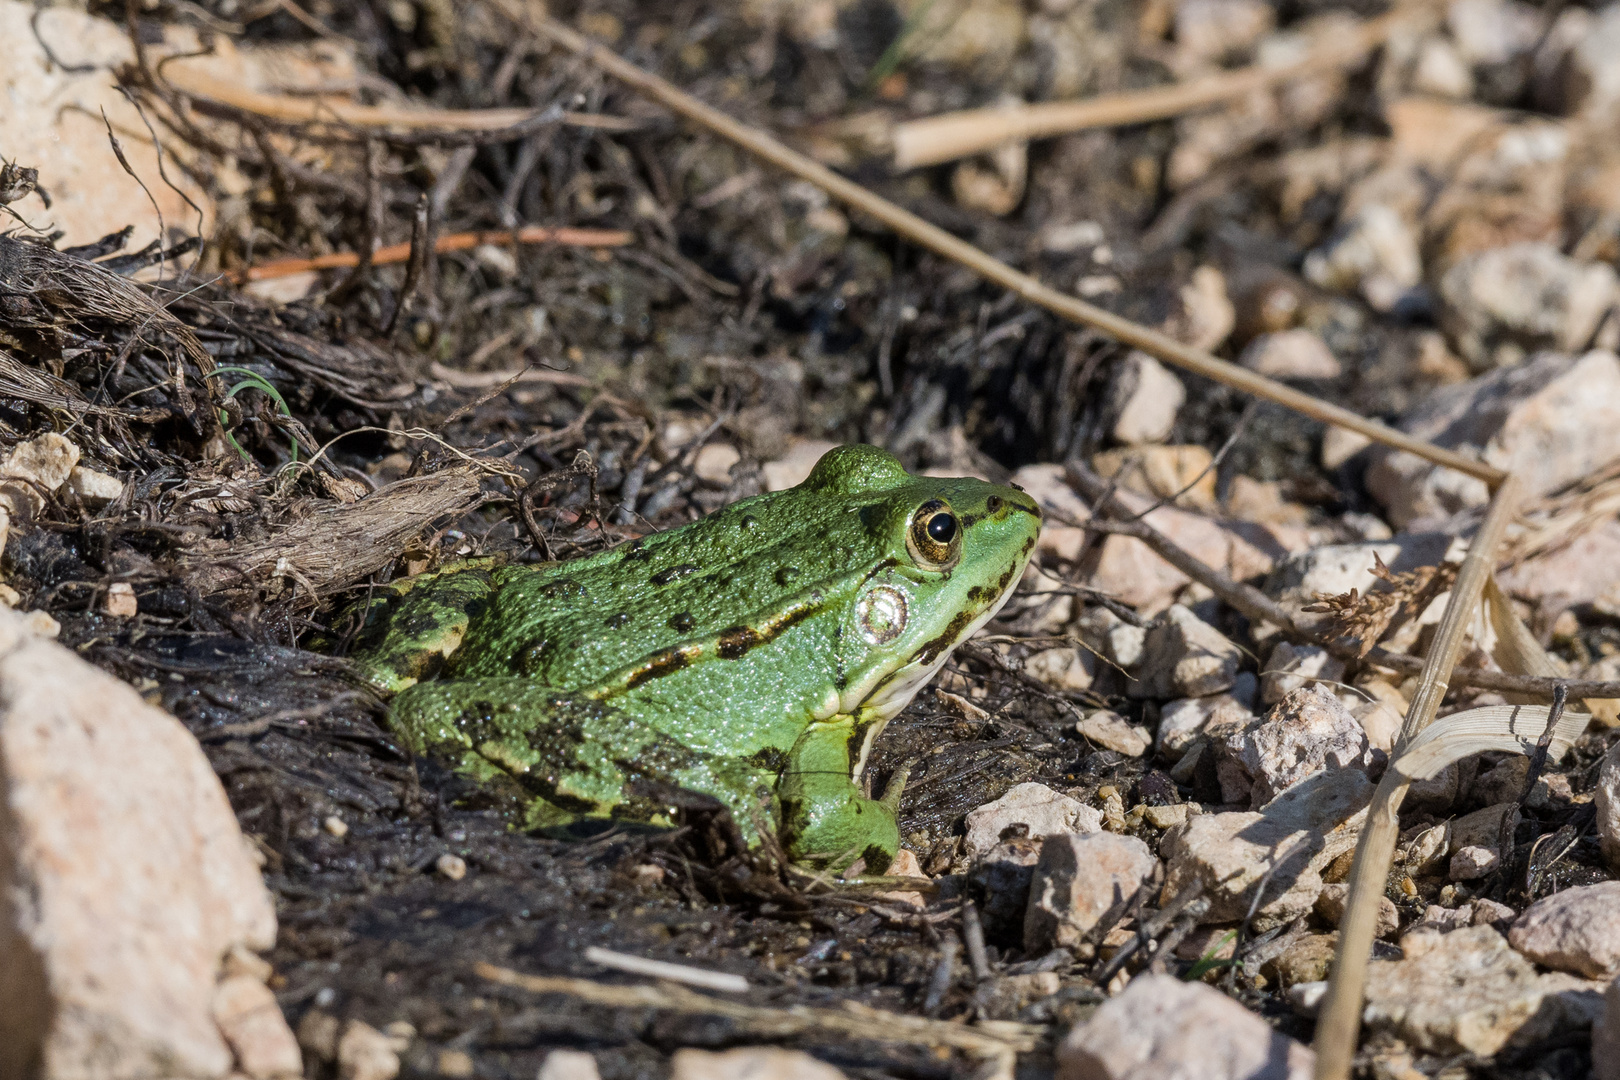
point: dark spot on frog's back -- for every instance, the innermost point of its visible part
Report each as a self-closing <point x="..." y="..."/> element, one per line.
<point x="616" y="620"/>
<point x="682" y="623"/>
<point x="735" y="641"/>
<point x="637" y="553"/>
<point x="785" y="574"/>
<point x="674" y="573"/>
<point x="555" y="590"/>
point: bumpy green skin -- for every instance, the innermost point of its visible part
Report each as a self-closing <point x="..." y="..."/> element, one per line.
<point x="752" y="655"/>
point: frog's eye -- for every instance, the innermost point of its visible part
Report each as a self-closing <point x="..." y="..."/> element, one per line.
<point x="935" y="537"/>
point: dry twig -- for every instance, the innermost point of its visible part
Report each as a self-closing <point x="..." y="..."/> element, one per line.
<point x="398" y="253"/>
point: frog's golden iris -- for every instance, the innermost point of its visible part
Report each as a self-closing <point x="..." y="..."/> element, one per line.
<point x="753" y="655"/>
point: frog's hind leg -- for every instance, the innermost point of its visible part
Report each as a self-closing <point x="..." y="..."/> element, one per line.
<point x="824" y="814"/>
<point x="582" y="758"/>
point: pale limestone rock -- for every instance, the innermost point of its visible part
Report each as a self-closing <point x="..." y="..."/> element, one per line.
<point x="1118" y="640"/>
<point x="137" y="878"/>
<point x="364" y="1053"/>
<point x="94" y="488"/>
<point x="1467" y="991"/>
<point x="713" y="464"/>
<point x="1047" y="485"/>
<point x="1606" y="1037"/>
<point x="1213" y="30"/>
<point x="750" y="1063"/>
<point x="1505" y="302"/>
<point x="1186" y="657"/>
<point x="793" y="467"/>
<point x="1183" y="473"/>
<point x="1376" y="253"/>
<point x="121" y="601"/>
<point x="1062" y="668"/>
<point x="569" y="1065"/>
<point x="1206" y="316"/>
<point x="1143" y="399"/>
<point x="1472" y="862"/>
<point x="1549" y="421"/>
<point x="1309" y="731"/>
<point x="1290" y="667"/>
<point x="1577" y="930"/>
<point x="1161" y="1028"/>
<point x="1042" y="811"/>
<point x="1078" y="882"/>
<point x="251" y="1021"/>
<point x="1298" y="833"/>
<point x="1111" y="731"/>
<point x="1291" y="354"/>
<point x="1607" y="798"/>
<point x="1330" y="906"/>
<point x="1492" y="31"/>
<point x="1182" y="721"/>
<point x="1381" y="723"/>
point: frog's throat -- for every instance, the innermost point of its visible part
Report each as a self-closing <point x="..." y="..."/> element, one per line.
<point x="894" y="691"/>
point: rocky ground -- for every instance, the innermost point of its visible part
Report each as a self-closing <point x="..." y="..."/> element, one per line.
<point x="1132" y="807"/>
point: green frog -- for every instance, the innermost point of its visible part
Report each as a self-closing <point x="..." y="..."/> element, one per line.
<point x="752" y="656"/>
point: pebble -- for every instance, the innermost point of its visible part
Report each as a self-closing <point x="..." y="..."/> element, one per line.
<point x="1161" y="1028"/>
<point x="1376" y="253"/>
<point x="336" y="826"/>
<point x="1308" y="731"/>
<point x="364" y="1053"/>
<point x="1305" y="960"/>
<point x="1607" y="799"/>
<point x="1185" y="657"/>
<point x="1111" y="731"/>
<point x="569" y="1065"/>
<point x="451" y="866"/>
<point x="1291" y="667"/>
<point x="793" y="468"/>
<point x="1550" y="420"/>
<point x="1472" y="862"/>
<point x="121" y="601"/>
<point x="1606" y="1037"/>
<point x="750" y="1063"/>
<point x="1116" y="639"/>
<point x="1182" y="721"/>
<point x="1503" y="303"/>
<point x="1000" y="879"/>
<point x="1381" y="722"/>
<point x="1039" y="810"/>
<point x="1291" y="354"/>
<point x="1079" y="882"/>
<point x="1214" y="30"/>
<point x="250" y="1019"/>
<point x="1287" y="845"/>
<point x="1064" y="668"/>
<point x="1577" y="930"/>
<point x="1184" y="473"/>
<point x="1330" y="907"/>
<point x="95" y="489"/>
<point x="1468" y="992"/>
<point x="1206" y="316"/>
<point x="1143" y="400"/>
<point x="140" y="878"/>
<point x="713" y="463"/>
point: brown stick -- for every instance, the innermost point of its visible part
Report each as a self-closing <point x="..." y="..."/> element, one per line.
<point x="935" y="239"/>
<point x="937" y="139"/>
<point x="398" y="253"/>
<point x="1338" y="1027"/>
<point x="325" y="108"/>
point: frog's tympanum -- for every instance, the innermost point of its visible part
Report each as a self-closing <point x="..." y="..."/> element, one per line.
<point x="753" y="655"/>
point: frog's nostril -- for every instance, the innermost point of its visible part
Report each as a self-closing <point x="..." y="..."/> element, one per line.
<point x="992" y="505"/>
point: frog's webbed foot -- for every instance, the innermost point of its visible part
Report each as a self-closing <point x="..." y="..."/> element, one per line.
<point x="824" y="814"/>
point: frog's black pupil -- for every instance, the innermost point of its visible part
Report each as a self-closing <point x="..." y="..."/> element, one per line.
<point x="942" y="528"/>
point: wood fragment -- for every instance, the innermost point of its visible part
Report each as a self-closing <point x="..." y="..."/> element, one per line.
<point x="936" y="239"/>
<point x="934" y="140"/>
<point x="658" y="969"/>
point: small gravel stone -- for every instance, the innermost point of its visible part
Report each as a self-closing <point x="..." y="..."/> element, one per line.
<point x="1330" y="906"/>
<point x="713" y="463"/>
<point x="1290" y="667"/>
<point x="1186" y="657"/>
<point x="1607" y="799"/>
<point x="1143" y="399"/>
<point x="750" y="1063"/>
<point x="1161" y="1028"/>
<point x="569" y="1065"/>
<point x="451" y="866"/>
<point x="1182" y="721"/>
<point x="1504" y="302"/>
<point x="1576" y="930"/>
<point x="1078" y="882"/>
<point x="1308" y="731"/>
<point x="336" y="826"/>
<point x="1472" y="863"/>
<point x="251" y="1021"/>
<point x="1606" y="1037"/>
<point x="1063" y="668"/>
<point x="1111" y="731"/>
<point x="96" y="489"/>
<point x="121" y="602"/>
<point x="364" y="1053"/>
<point x="1291" y="354"/>
<point x="1467" y="991"/>
<point x="1035" y="809"/>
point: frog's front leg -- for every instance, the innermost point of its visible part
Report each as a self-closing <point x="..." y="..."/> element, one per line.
<point x="824" y="813"/>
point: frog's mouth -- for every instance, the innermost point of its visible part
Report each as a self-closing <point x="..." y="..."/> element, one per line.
<point x="895" y="690"/>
